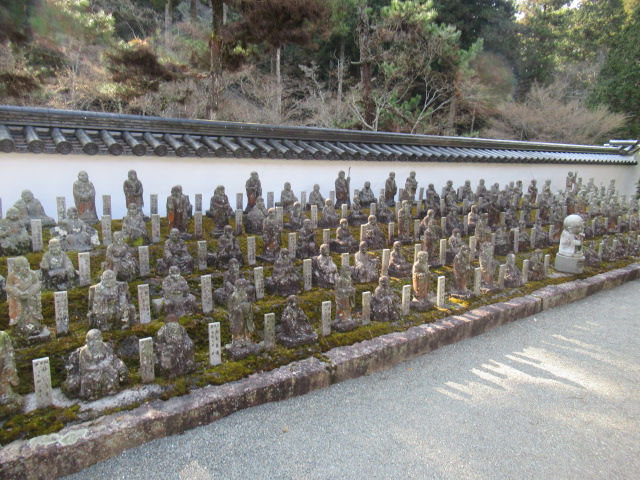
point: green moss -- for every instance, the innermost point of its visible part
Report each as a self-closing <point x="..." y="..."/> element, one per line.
<point x="39" y="422"/>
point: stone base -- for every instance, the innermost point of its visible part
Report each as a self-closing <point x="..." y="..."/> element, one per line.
<point x="569" y="264"/>
<point x="242" y="350"/>
<point x="43" y="336"/>
<point x="345" y="325"/>
<point x="462" y="295"/>
<point x="292" y="342"/>
<point x="420" y="306"/>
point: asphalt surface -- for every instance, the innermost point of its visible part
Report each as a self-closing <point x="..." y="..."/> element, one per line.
<point x="551" y="396"/>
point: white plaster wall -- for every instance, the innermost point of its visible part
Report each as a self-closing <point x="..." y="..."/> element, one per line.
<point x="49" y="176"/>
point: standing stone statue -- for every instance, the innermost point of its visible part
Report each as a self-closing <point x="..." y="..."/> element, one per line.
<point x="570" y="258"/>
<point x="271" y="236"/>
<point x="410" y="187"/>
<point x="399" y="266"/>
<point x="324" y="270"/>
<point x="307" y="246"/>
<point x="329" y="218"/>
<point x="241" y="323"/>
<point x="10" y="401"/>
<point x="295" y="329"/>
<point x="512" y="275"/>
<point x="342" y="186"/>
<point x="255" y="217"/>
<point x="174" y="349"/>
<point x="287" y="198"/>
<point x="462" y="270"/>
<point x="93" y="370"/>
<point x="220" y="211"/>
<point x="84" y="196"/>
<point x="30" y="208"/>
<point x="175" y="253"/>
<point x="345" y="300"/>
<point x="121" y="260"/>
<point x="487" y="265"/>
<point x="133" y="191"/>
<point x="385" y="303"/>
<point x="390" y="189"/>
<point x="179" y="209"/>
<point x="367" y="266"/>
<point x="344" y="242"/>
<point x="74" y="234"/>
<point x="57" y="270"/>
<point x="404" y="223"/>
<point x="284" y="279"/>
<point x="14" y="238"/>
<point x="316" y="198"/>
<point x="133" y="227"/>
<point x="24" y="299"/>
<point x="177" y="299"/>
<point x="110" y="306"/>
<point x="253" y="187"/>
<point x="228" y="247"/>
<point x="421" y="278"/>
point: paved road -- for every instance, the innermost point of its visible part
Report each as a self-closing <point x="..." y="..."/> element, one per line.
<point x="552" y="396"/>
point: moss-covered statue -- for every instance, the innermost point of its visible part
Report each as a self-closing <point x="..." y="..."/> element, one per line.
<point x="324" y="270"/>
<point x="367" y="266"/>
<point x="74" y="234"/>
<point x="345" y="300"/>
<point x="385" y="303"/>
<point x="84" y="196"/>
<point x="23" y="296"/>
<point x="219" y="210"/>
<point x="462" y="270"/>
<point x="399" y="266"/>
<point x="30" y="208"/>
<point x="512" y="274"/>
<point x="344" y="241"/>
<point x="133" y="190"/>
<point x="121" y="259"/>
<point x="295" y="329"/>
<point x="110" y="306"/>
<point x="241" y="323"/>
<point x="421" y="279"/>
<point x="175" y="253"/>
<point x="10" y="402"/>
<point x="14" y="238"/>
<point x="177" y="299"/>
<point x="284" y="279"/>
<point x="174" y="349"/>
<point x="58" y="273"/>
<point x="133" y="227"/>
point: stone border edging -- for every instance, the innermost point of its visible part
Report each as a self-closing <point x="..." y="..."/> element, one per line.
<point x="78" y="446"/>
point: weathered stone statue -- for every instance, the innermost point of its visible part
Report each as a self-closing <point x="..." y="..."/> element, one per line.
<point x="433" y="199"/>
<point x="220" y="211"/>
<point x="329" y="218"/>
<point x="110" y="306"/>
<point x="287" y="198"/>
<point x="453" y="222"/>
<point x="404" y="223"/>
<point x="410" y="187"/>
<point x="295" y="217"/>
<point x="324" y="270"/>
<point x="513" y="275"/>
<point x="591" y="258"/>
<point x="229" y="278"/>
<point x="345" y="300"/>
<point x="121" y="260"/>
<point x="255" y="217"/>
<point x="133" y="227"/>
<point x="481" y="189"/>
<point x="570" y="258"/>
<point x="367" y="197"/>
<point x="503" y="244"/>
<point x="608" y="253"/>
<point x="344" y="241"/>
<point x="383" y="212"/>
<point x="342" y="191"/>
<point x="316" y="198"/>
<point x="74" y="234"/>
<point x="375" y="238"/>
<point x="532" y="191"/>
<point x="284" y="279"/>
<point x="133" y="191"/>
<point x="253" y="186"/>
<point x="14" y="238"/>
<point x="177" y="299"/>
<point x="57" y="270"/>
<point x="30" y="208"/>
<point x="94" y="371"/>
<point x="431" y="243"/>
<point x="536" y="266"/>
<point x="241" y="323"/>
<point x="367" y="266"/>
<point x="84" y="196"/>
<point x="356" y="216"/>
<point x="487" y="265"/>
<point x="228" y="248"/>
<point x="541" y="236"/>
<point x="179" y="209"/>
<point x="174" y="349"/>
<point x="307" y="246"/>
<point x="175" y="253"/>
<point x="390" y="189"/>
<point x="467" y="191"/>
<point x="10" y="402"/>
<point x="462" y="269"/>
<point x="399" y="266"/>
<point x="271" y="236"/>
<point x="23" y="297"/>
<point x="421" y="278"/>
<point x="385" y="303"/>
<point x="455" y="242"/>
<point x="296" y="329"/>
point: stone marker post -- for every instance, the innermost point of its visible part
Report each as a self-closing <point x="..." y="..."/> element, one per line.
<point x="363" y="233"/>
<point x="197" y="225"/>
<point x="366" y="308"/>
<point x="154" y="204"/>
<point x="314" y="216"/>
<point x="440" y="293"/>
<point x="269" y="330"/>
<point x="106" y="205"/>
<point x="443" y="226"/>
<point x="547" y="261"/>
<point x="251" y="250"/>
<point x="372" y="209"/>
<point x="416" y="230"/>
<point x="36" y="235"/>
<point x="501" y="273"/>
<point x="238" y="230"/>
<point x="307" y="273"/>
<point x="303" y="200"/>
<point x="198" y="203"/>
<point x="106" y="229"/>
<point x="84" y="269"/>
<point x="443" y="251"/>
<point x="332" y="196"/>
<point x="326" y="236"/>
<point x="61" y="304"/>
<point x="155" y="228"/>
<point x="477" y="276"/>
<point x="326" y="318"/>
<point x="42" y="382"/>
<point x="61" y="208"/>
<point x="516" y="239"/>
<point x="202" y="254"/>
<point x="145" y="346"/>
<point x="343" y="211"/>
<point x="239" y="201"/>
<point x="206" y="294"/>
<point x="417" y="248"/>
<point x="406" y="299"/>
<point x="144" y="303"/>
<point x="345" y="259"/>
<point x="143" y="261"/>
<point x="215" y="348"/>
<point x="465" y="220"/>
<point x="280" y="216"/>
<point x="532" y="239"/>
<point x="391" y="232"/>
<point x="293" y="244"/>
<point x="258" y="280"/>
<point x="472" y="247"/>
<point x="269" y="199"/>
<point x="525" y="271"/>
<point x="386" y="255"/>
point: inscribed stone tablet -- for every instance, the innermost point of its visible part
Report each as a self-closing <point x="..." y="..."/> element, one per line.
<point x="443" y="251"/>
<point x="269" y="199"/>
<point x="303" y="200"/>
<point x="206" y="294"/>
<point x="106" y="205"/>
<point x="36" y="235"/>
<point x="307" y="273"/>
<point x="84" y="268"/>
<point x="366" y="308"/>
<point x="293" y="244"/>
<point x="332" y="196"/>
<point x="197" y="224"/>
<point x="269" y="330"/>
<point x="443" y="225"/>
<point x="326" y="236"/>
<point x="251" y="250"/>
<point x="443" y="205"/>
<point x="239" y="201"/>
<point x="386" y="255"/>
<point x="477" y="276"/>
<point x="406" y="299"/>
<point x="154" y="204"/>
<point x="106" y="229"/>
<point x="202" y="254"/>
<point x="314" y="216"/>
<point x="440" y="295"/>
<point x="343" y="211"/>
<point x="147" y="374"/>
<point x="547" y="260"/>
<point x="199" y="202"/>
<point x="345" y="259"/>
<point x="516" y="239"/>
<point x="155" y="228"/>
<point x="144" y="303"/>
<point x="501" y="273"/>
<point x="258" y="280"/>
<point x="42" y="382"/>
<point x="61" y="303"/>
<point x="363" y="233"/>
<point x="417" y="248"/>
<point x="280" y="216"/>
<point x="61" y="208"/>
<point x="421" y="194"/>
<point x="525" y="271"/>
<point x="472" y="247"/>
<point x="356" y="193"/>
<point x="215" y="349"/>
<point x="391" y="230"/>
<point x="372" y="209"/>
<point x="143" y="260"/>
<point x="465" y="224"/>
<point x="326" y="318"/>
<point x="532" y="239"/>
<point x="416" y="230"/>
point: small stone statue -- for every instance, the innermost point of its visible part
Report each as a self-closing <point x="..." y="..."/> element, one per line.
<point x="421" y="279"/>
<point x="307" y="246"/>
<point x="375" y="238"/>
<point x="14" y="238"/>
<point x="390" y="189"/>
<point x="345" y="299"/>
<point x="284" y="279"/>
<point x="512" y="275"/>
<point x="367" y="197"/>
<point x="255" y="217"/>
<point x="296" y="329"/>
<point x="110" y="306"/>
<point x="177" y="299"/>
<point x="57" y="270"/>
<point x="287" y="198"/>
<point x="383" y="212"/>
<point x="431" y="243"/>
<point x="591" y="258"/>
<point x="570" y="258"/>
<point x="228" y="248"/>
<point x="344" y="242"/>
<point x="356" y="216"/>
<point x="229" y="278"/>
<point x="532" y="191"/>
<point x="84" y="196"/>
<point x="121" y="260"/>
<point x="133" y="191"/>
<point x="404" y="223"/>
<point x="536" y="266"/>
<point x="399" y="266"/>
<point x="24" y="299"/>
<point x="133" y="227"/>
<point x="175" y="253"/>
<point x="324" y="270"/>
<point x="10" y="401"/>
<point x="174" y="349"/>
<point x="74" y="234"/>
<point x="329" y="218"/>
<point x="467" y="191"/>
<point x="481" y="189"/>
<point x="93" y="370"/>
<point x="220" y="211"/>
<point x="30" y="208"/>
<point x="503" y="244"/>
<point x="453" y="222"/>
<point x="342" y="191"/>
<point x="472" y="219"/>
<point x="487" y="265"/>
<point x="271" y="236"/>
<point x="367" y="266"/>
<point x="410" y="187"/>
<point x="253" y="187"/>
<point x="295" y="217"/>
<point x="316" y="198"/>
<point x="455" y="242"/>
<point x="179" y="209"/>
<point x="462" y="269"/>
<point x="241" y="323"/>
<point x="385" y="303"/>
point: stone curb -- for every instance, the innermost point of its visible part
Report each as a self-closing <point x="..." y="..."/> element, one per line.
<point x="79" y="446"/>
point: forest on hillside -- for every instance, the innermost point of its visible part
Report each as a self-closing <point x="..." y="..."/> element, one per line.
<point x="543" y="70"/>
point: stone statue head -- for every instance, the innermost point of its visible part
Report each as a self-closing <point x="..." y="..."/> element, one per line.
<point x="260" y="201"/>
<point x="176" y="190"/>
<point x="171" y="318"/>
<point x="27" y="196"/>
<point x="13" y="214"/>
<point x="511" y="259"/>
<point x="482" y="181"/>
<point x="54" y="246"/>
<point x="174" y="234"/>
<point x="362" y="246"/>
<point x="72" y="213"/>
<point x="534" y="182"/>
<point x="118" y="238"/>
<point x="174" y="271"/>
<point x="467" y="183"/>
<point x="367" y="184"/>
<point x="94" y="341"/>
<point x="133" y="175"/>
<point x="306" y="224"/>
<point x="21" y="265"/>
<point x="423" y="257"/>
<point x="324" y="250"/>
<point x="372" y="219"/>
<point x="341" y="174"/>
<point x="296" y="206"/>
<point x="328" y="202"/>
<point x="108" y="278"/>
<point x="412" y="174"/>
<point x="343" y="222"/>
<point x="392" y="174"/>
<point x="254" y="175"/>
<point x="83" y="176"/>
<point x="316" y="188"/>
<point x="384" y="282"/>
<point x="271" y="212"/>
<point x="132" y="208"/>
<point x="292" y="300"/>
<point x="449" y="183"/>
<point x="397" y="245"/>
<point x="287" y="186"/>
<point x="456" y="232"/>
<point x="219" y="190"/>
<point x="227" y="231"/>
<point x="241" y="284"/>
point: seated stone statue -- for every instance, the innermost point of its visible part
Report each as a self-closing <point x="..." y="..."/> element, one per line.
<point x="536" y="266"/>
<point x="10" y="401"/>
<point x="329" y="219"/>
<point x="316" y="198"/>
<point x="94" y="371"/>
<point x="512" y="275"/>
<point x="121" y="260"/>
<point x="175" y="253"/>
<point x="367" y="197"/>
<point x="57" y="270"/>
<point x="345" y="300"/>
<point x="23" y="297"/>
<point x="229" y="278"/>
<point x="383" y="212"/>
<point x="241" y="323"/>
<point x="84" y="196"/>
<point x="74" y="234"/>
<point x="375" y="238"/>
<point x="295" y="217"/>
<point x="174" y="349"/>
<point x="228" y="248"/>
<point x="462" y="270"/>
<point x="284" y="279"/>
<point x="399" y="267"/>
<point x="271" y="236"/>
<point x="503" y="245"/>
<point x="356" y="216"/>
<point x="30" y="208"/>
<point x="219" y="210"/>
<point x="421" y="279"/>
<point x="541" y="236"/>
<point x="385" y="303"/>
<point x="324" y="270"/>
<point x="110" y="306"/>
<point x="179" y="209"/>
<point x="133" y="227"/>
<point x="177" y="299"/>
<point x="453" y="222"/>
<point x="295" y="328"/>
<point x="255" y="217"/>
<point x="307" y="246"/>
<point x="344" y="242"/>
<point x="367" y="266"/>
<point x="14" y="238"/>
<point x="455" y="242"/>
<point x="287" y="198"/>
